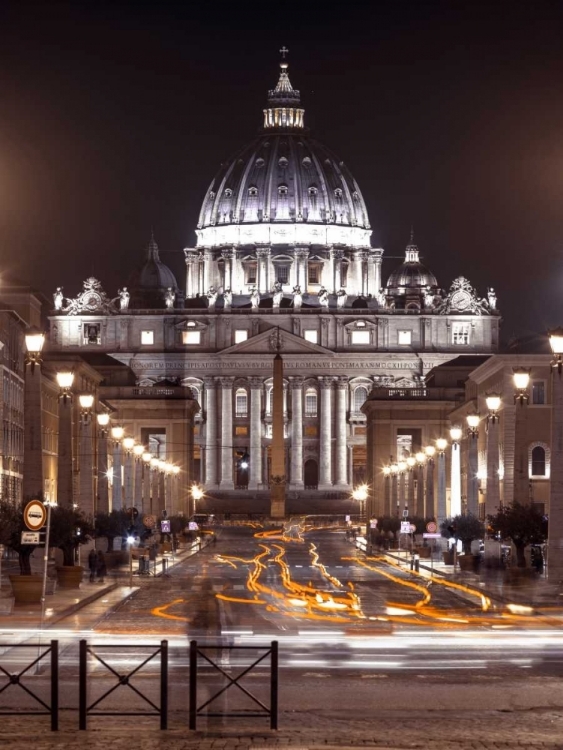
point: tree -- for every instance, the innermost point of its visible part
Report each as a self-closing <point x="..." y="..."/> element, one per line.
<point x="11" y="527"/>
<point x="466" y="528"/>
<point x="111" y="526"/>
<point x="69" y="529"/>
<point x="523" y="524"/>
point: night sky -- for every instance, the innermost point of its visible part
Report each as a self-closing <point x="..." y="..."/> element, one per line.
<point x="115" y="116"/>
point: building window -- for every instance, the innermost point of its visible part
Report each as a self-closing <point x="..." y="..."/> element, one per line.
<point x="460" y="333"/>
<point x="147" y="338"/>
<point x="314" y="273"/>
<point x="241" y="430"/>
<point x="92" y="333"/>
<point x="282" y="273"/>
<point x="241" y="403"/>
<point x="312" y="336"/>
<point x="360" y="395"/>
<point x="282" y="190"/>
<point x="312" y="190"/>
<point x="539" y="457"/>
<point x="360" y="337"/>
<point x="250" y="273"/>
<point x="405" y="338"/>
<point x="241" y="334"/>
<point x="311" y="430"/>
<point x="538" y="392"/>
<point x="252" y="192"/>
<point x="191" y="337"/>
<point x="228" y="193"/>
<point x="310" y="403"/>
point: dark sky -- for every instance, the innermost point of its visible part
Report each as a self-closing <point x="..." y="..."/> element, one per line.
<point x="115" y="116"/>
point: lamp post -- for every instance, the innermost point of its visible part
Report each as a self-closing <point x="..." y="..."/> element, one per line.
<point x="155" y="486"/>
<point x="146" y="459"/>
<point x="441" y="445"/>
<point x="455" y="486"/>
<point x="360" y="494"/>
<point x="492" y="498"/>
<point x="394" y="489"/>
<point x="197" y="495"/>
<point x="33" y="483"/>
<point x="411" y="463"/>
<point x="103" y="484"/>
<point x="521" y="377"/>
<point x="128" y="443"/>
<point x="117" y="489"/>
<point x="472" y="464"/>
<point x="521" y="488"/>
<point x="555" y="533"/>
<point x="430" y="452"/>
<point x="402" y="466"/>
<point x="420" y="459"/>
<point x="138" y="451"/>
<point x="86" y="463"/>
<point x="386" y="491"/>
<point x="65" y="493"/>
<point x="176" y="489"/>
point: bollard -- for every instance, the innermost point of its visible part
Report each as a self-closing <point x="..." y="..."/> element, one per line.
<point x="416" y="559"/>
<point x="164" y="564"/>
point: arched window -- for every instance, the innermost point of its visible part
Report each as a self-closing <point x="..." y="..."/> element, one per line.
<point x="253" y="191"/>
<point x="360" y="395"/>
<point x="539" y="457"/>
<point x="241" y="403"/>
<point x="310" y="402"/>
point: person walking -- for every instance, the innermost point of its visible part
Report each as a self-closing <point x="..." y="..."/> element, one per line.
<point x="93" y="564"/>
<point x="101" y="566"/>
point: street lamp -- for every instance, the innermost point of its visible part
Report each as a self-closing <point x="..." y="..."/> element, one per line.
<point x="472" y="464"/>
<point x="33" y="483"/>
<point x="65" y="490"/>
<point x="103" y="481"/>
<point x="394" y="488"/>
<point x="492" y="498"/>
<point x="86" y="454"/>
<point x="386" y="490"/>
<point x="128" y="443"/>
<point x="430" y="452"/>
<point x="441" y="445"/>
<point x="86" y="401"/>
<point x="455" y="489"/>
<point x="555" y="533"/>
<point x="360" y="494"/>
<point x="117" y="433"/>
<point x="521" y="377"/>
<point x="411" y="463"/>
<point x="420" y="460"/>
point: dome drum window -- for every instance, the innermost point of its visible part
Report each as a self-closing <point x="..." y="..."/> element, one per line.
<point x="283" y="190"/>
<point x="283" y="162"/>
<point x="252" y="191"/>
<point x="338" y="193"/>
<point x="228" y="193"/>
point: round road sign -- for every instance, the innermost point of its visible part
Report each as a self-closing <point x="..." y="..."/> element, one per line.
<point x="413" y="528"/>
<point x="149" y="522"/>
<point x="35" y="515"/>
<point x="431" y="527"/>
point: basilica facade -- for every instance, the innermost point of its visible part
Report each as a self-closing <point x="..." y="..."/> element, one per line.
<point x="282" y="263"/>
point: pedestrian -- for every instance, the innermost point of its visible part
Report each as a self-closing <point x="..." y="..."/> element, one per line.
<point x="92" y="564"/>
<point x="101" y="566"/>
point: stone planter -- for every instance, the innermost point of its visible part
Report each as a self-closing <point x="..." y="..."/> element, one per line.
<point x="469" y="562"/>
<point x="27" y="589"/>
<point x="424" y="552"/>
<point x="69" y="576"/>
<point x="448" y="557"/>
<point x="6" y="605"/>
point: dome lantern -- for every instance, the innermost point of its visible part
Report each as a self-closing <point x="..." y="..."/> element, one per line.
<point x="284" y="111"/>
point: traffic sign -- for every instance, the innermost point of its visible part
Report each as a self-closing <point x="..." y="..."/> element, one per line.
<point x="165" y="527"/>
<point x="413" y="528"/>
<point x="431" y="527"/>
<point x="35" y="515"/>
<point x="405" y="527"/>
<point x="149" y="522"/>
<point x="431" y="536"/>
<point x="30" y="537"/>
<point x="373" y="523"/>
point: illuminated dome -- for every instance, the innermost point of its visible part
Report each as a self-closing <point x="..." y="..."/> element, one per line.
<point x="284" y="187"/>
<point x="411" y="275"/>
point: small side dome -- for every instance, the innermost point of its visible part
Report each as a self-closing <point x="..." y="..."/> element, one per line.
<point x="149" y="283"/>
<point x="411" y="275"/>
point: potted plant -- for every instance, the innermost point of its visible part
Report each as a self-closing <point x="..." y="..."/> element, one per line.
<point x="111" y="527"/>
<point x="524" y="525"/>
<point x="468" y="529"/>
<point x="26" y="587"/>
<point x="447" y="530"/>
<point x="69" y="529"/>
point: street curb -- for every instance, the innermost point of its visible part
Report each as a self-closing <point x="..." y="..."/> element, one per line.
<point x="94" y="596"/>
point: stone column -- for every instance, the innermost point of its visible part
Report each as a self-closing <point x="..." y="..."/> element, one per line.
<point x="86" y="467"/>
<point x="210" y="432"/>
<point x="263" y="260"/>
<point x="340" y="428"/>
<point x="555" y="533"/>
<point x="337" y="255"/>
<point x="65" y="485"/>
<point x="138" y="502"/>
<point x="207" y="270"/>
<point x="419" y="490"/>
<point x="325" y="438"/>
<point x="301" y="258"/>
<point x="155" y="490"/>
<point x="146" y="488"/>
<point x="103" y="483"/>
<point x="296" y="385"/>
<point x="402" y="494"/>
<point x="227" y="256"/>
<point x="227" y="482"/>
<point x="374" y="278"/>
<point x="117" y="490"/>
<point x="33" y="481"/>
<point x="472" y="480"/>
<point x="492" y="496"/>
<point x="255" y="474"/>
<point x="455" y="481"/>
<point x="441" y="488"/>
<point x="128" y="478"/>
<point x="394" y="495"/>
<point x="387" y="495"/>
<point x="192" y="272"/>
<point x="410" y="493"/>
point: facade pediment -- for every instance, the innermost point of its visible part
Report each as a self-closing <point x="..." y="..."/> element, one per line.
<point x="269" y="342"/>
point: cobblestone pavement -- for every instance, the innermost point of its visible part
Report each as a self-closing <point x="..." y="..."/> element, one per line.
<point x="445" y="730"/>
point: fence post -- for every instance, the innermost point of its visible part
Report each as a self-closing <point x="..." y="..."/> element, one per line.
<point x="164" y="684"/>
<point x="54" y="686"/>
<point x="82" y="702"/>
<point x="193" y="685"/>
<point x="274" y="685"/>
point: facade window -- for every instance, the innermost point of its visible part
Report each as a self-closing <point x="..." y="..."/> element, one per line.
<point x="241" y="403"/>
<point x="241" y="430"/>
<point x="311" y="403"/>
<point x="539" y="458"/>
<point x="461" y="333"/>
<point x="312" y="336"/>
<point x="538" y="392"/>
<point x="241" y="334"/>
<point x="282" y="273"/>
<point x="250" y="273"/>
<point x="92" y="333"/>
<point x="314" y="273"/>
<point x="191" y="337"/>
<point x="405" y="338"/>
<point x="360" y="337"/>
<point x="360" y="395"/>
<point x="344" y="274"/>
<point x="147" y="338"/>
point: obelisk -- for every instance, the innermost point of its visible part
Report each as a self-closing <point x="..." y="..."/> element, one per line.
<point x="277" y="477"/>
